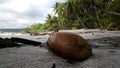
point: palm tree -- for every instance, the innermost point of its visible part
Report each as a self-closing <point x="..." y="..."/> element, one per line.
<point x="89" y="13"/>
<point x="61" y="19"/>
<point x="73" y="9"/>
<point x="51" y="22"/>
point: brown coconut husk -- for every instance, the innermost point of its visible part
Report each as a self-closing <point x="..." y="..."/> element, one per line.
<point x="69" y="45"/>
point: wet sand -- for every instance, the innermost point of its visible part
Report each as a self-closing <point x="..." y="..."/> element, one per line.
<point x="106" y="53"/>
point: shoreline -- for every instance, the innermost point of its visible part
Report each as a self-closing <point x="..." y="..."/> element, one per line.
<point x="87" y="34"/>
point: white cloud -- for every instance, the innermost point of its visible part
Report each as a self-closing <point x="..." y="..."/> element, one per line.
<point x="23" y="13"/>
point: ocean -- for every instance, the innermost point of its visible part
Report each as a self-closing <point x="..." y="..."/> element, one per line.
<point x="10" y="31"/>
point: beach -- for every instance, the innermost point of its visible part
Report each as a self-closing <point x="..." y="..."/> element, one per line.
<point x="105" y="49"/>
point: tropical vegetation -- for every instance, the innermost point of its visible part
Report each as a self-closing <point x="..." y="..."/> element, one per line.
<point x="77" y="14"/>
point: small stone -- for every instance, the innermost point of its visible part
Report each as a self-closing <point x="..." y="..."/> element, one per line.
<point x="53" y="66"/>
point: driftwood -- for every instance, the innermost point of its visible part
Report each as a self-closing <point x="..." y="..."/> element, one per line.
<point x="37" y="34"/>
<point x="33" y="33"/>
<point x="14" y="42"/>
<point x="45" y="34"/>
<point x="7" y="43"/>
<point x="25" y="41"/>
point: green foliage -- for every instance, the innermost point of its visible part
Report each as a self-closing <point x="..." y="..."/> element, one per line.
<point x="36" y="27"/>
<point x="109" y="25"/>
<point x="76" y="14"/>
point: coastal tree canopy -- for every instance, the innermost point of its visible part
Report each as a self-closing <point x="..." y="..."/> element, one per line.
<point x="76" y="14"/>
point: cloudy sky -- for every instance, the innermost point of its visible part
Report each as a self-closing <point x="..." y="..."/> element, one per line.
<point x="23" y="13"/>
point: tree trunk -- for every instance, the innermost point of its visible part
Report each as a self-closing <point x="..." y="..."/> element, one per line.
<point x="98" y="19"/>
<point x="115" y="13"/>
<point x="96" y="14"/>
<point x="81" y="21"/>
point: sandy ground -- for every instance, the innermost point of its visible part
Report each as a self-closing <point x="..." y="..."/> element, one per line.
<point x="106" y="53"/>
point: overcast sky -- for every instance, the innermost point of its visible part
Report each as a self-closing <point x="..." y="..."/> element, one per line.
<point x="23" y="13"/>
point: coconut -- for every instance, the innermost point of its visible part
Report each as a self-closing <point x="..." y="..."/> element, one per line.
<point x="69" y="45"/>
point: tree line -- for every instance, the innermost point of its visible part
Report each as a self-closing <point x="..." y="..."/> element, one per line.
<point x="77" y="14"/>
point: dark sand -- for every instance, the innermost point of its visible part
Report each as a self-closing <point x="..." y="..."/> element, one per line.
<point x="106" y="54"/>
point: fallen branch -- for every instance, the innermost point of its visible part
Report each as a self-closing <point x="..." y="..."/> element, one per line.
<point x="25" y="41"/>
<point x="7" y="43"/>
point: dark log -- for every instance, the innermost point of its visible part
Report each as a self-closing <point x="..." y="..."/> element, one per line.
<point x="25" y="41"/>
<point x="7" y="43"/>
